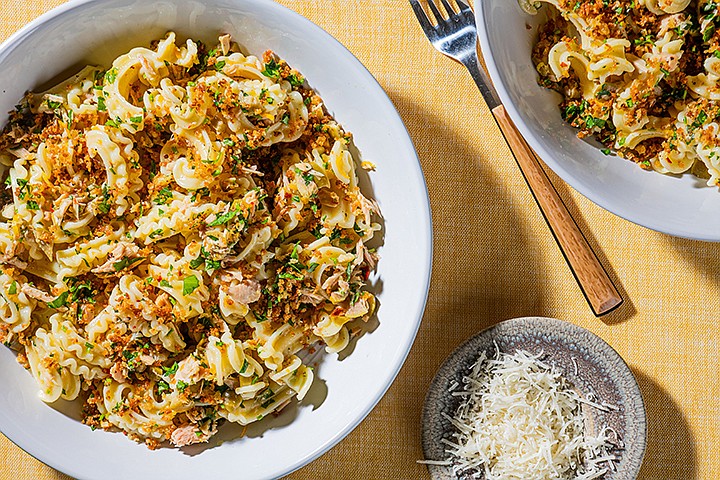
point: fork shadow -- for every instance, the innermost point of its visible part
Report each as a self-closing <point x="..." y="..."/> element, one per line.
<point x="491" y="266"/>
<point x="478" y="295"/>
<point x="670" y="452"/>
<point x="627" y="310"/>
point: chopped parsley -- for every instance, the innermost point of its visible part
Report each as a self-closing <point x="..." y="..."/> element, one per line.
<point x="190" y="283"/>
<point x="130" y="356"/>
<point x="60" y="301"/>
<point x="170" y="370"/>
<point x="224" y="218"/>
<point x="24" y="187"/>
<point x="206" y="258"/>
<point x="163" y="386"/>
<point x="272" y="69"/>
<point x="290" y="276"/>
<point x="295" y="80"/>
<point x="126" y="262"/>
<point x="163" y="196"/>
<point x="200" y="192"/>
<point x="111" y="75"/>
<point x="591" y="122"/>
<point x="104" y="205"/>
<point x="700" y="119"/>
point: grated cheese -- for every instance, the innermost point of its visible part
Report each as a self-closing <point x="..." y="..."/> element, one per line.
<point x="521" y="420"/>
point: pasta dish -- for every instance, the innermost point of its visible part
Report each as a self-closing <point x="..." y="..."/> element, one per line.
<point x="641" y="77"/>
<point x="176" y="232"/>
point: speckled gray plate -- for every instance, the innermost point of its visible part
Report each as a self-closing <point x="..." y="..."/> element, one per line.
<point x="600" y="371"/>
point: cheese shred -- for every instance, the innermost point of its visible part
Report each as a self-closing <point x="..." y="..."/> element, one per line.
<point x="520" y="419"/>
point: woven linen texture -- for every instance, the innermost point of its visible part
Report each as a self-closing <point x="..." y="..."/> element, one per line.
<point x="496" y="259"/>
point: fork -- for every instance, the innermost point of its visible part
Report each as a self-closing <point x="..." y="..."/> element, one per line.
<point x="454" y="34"/>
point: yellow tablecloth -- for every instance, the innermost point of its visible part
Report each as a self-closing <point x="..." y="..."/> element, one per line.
<point x="495" y="259"/>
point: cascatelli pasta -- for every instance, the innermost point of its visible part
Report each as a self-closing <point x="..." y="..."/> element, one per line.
<point x="174" y="232"/>
<point x="641" y="77"/>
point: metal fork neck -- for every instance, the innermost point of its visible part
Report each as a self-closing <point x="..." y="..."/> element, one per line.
<point x="482" y="81"/>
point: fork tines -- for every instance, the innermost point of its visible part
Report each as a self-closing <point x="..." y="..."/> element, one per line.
<point x="425" y="20"/>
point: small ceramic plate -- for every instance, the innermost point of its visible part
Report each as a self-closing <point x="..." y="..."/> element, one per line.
<point x="585" y="360"/>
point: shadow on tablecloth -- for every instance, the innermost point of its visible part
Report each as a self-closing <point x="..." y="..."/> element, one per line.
<point x="487" y="267"/>
<point x="670" y="452"/>
<point x="627" y="310"/>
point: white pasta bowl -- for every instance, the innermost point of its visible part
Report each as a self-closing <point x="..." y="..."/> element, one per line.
<point x="95" y="32"/>
<point x="677" y="205"/>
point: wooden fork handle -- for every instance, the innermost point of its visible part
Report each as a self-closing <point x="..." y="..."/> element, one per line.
<point x="594" y="282"/>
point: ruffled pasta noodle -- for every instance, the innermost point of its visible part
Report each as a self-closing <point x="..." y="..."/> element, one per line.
<point x="177" y="232"/>
<point x="641" y="77"/>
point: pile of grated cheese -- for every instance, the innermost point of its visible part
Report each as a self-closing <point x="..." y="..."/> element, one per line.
<point x="520" y="419"/>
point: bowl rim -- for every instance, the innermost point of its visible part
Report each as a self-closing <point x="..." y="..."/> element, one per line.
<point x="504" y="328"/>
<point x="603" y="201"/>
<point x="424" y="211"/>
